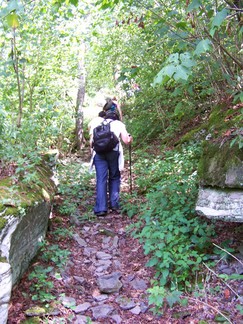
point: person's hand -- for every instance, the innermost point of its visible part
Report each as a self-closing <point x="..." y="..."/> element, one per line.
<point x="130" y="139"/>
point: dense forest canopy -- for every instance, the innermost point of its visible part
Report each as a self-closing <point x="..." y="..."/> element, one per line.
<point x="179" y="54"/>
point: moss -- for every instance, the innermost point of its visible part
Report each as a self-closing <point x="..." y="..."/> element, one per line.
<point x="219" y="121"/>
<point x="3" y="222"/>
<point x="13" y="196"/>
<point x="216" y="160"/>
<point x="3" y="259"/>
<point x="190" y="136"/>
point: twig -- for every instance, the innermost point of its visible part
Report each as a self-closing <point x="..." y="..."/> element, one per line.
<point x="222" y="280"/>
<point x="228" y="253"/>
<point x="215" y="309"/>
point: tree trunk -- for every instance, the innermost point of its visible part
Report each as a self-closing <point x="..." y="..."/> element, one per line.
<point x="15" y="59"/>
<point x="79" y="103"/>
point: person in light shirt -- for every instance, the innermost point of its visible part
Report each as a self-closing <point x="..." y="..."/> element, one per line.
<point x="108" y="166"/>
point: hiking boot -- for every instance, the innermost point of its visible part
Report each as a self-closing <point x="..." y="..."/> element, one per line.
<point x="115" y="211"/>
<point x="101" y="214"/>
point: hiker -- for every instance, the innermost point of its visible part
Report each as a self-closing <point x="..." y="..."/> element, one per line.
<point x="108" y="167"/>
<point x="113" y="106"/>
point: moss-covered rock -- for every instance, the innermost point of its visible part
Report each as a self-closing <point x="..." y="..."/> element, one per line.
<point x="24" y="214"/>
<point x="221" y="166"/>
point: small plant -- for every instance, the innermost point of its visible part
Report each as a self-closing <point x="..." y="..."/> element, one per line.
<point x="41" y="285"/>
<point x="173" y="237"/>
<point x="56" y="255"/>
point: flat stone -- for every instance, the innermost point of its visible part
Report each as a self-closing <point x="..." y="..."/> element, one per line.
<point x="136" y="310"/>
<point x="88" y="251"/>
<point x="38" y="311"/>
<point x="100" y="298"/>
<point x="116" y="318"/>
<point x="68" y="302"/>
<point x="216" y="203"/>
<point x="102" y="311"/>
<point x="125" y="303"/>
<point x="139" y="284"/>
<point x="115" y="242"/>
<point x="82" y="308"/>
<point x="81" y="319"/>
<point x="79" y="279"/>
<point x="81" y="242"/>
<point x="103" y="256"/>
<point x="109" y="283"/>
<point x="102" y="263"/>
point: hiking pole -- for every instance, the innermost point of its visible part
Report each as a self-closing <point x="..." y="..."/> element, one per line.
<point x="130" y="163"/>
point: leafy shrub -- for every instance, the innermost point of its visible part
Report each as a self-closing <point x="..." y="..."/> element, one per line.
<point x="173" y="237"/>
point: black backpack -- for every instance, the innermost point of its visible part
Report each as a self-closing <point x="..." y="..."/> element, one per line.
<point x="104" y="140"/>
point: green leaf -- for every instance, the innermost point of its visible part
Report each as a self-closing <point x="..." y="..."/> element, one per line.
<point x="220" y="17"/>
<point x="186" y="60"/>
<point x="173" y="298"/>
<point x="12" y="20"/>
<point x="194" y="5"/>
<point x="203" y="46"/>
<point x="152" y="262"/>
<point x="74" y="2"/>
<point x="181" y="73"/>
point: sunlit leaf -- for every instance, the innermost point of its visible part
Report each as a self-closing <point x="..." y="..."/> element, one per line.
<point x="181" y="73"/>
<point x="203" y="46"/>
<point x="12" y="20"/>
<point x="194" y="5"/>
<point x="220" y="17"/>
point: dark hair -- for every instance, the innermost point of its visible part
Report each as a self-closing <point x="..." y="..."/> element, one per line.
<point x="102" y="114"/>
<point x="111" y="115"/>
<point x="108" y="105"/>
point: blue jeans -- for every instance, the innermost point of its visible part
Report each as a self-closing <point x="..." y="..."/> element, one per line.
<point x="107" y="175"/>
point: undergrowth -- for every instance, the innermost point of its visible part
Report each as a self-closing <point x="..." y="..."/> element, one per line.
<point x="172" y="235"/>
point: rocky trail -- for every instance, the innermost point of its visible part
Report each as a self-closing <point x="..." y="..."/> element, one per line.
<point x="105" y="279"/>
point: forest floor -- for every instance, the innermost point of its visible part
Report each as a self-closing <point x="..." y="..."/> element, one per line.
<point x="123" y="257"/>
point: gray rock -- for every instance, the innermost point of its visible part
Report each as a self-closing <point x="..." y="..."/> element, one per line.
<point x="144" y="307"/>
<point x="103" y="256"/>
<point x="115" y="242"/>
<point x="100" y="298"/>
<point x="116" y="318"/>
<point x="19" y="243"/>
<point x="79" y="279"/>
<point x="88" y="251"/>
<point x="81" y="319"/>
<point x="110" y="283"/>
<point x="82" y="308"/>
<point x="136" y="310"/>
<point x="5" y="290"/>
<point x="125" y="303"/>
<point x="102" y="311"/>
<point x="81" y="242"/>
<point x="117" y="264"/>
<point x="139" y="284"/>
<point x="215" y="203"/>
<point x="68" y="302"/>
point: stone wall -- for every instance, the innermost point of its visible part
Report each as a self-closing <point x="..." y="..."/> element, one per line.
<point x="22" y="228"/>
<point x="221" y="182"/>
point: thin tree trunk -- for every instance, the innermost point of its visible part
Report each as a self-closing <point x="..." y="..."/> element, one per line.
<point x="20" y="87"/>
<point x="79" y="103"/>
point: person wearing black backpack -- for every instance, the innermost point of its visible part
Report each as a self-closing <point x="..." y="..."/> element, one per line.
<point x="108" y="164"/>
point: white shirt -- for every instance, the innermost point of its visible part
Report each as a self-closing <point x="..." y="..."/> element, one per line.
<point x="117" y="127"/>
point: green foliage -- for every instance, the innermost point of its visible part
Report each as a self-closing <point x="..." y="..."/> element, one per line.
<point x="53" y="253"/>
<point x="41" y="284"/>
<point x="173" y="237"/>
<point x="75" y="185"/>
<point x="42" y="277"/>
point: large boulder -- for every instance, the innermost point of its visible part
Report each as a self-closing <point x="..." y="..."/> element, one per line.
<point x="221" y="182"/>
<point x="24" y="216"/>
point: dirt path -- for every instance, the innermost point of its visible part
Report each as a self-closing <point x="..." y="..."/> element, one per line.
<point x="105" y="279"/>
